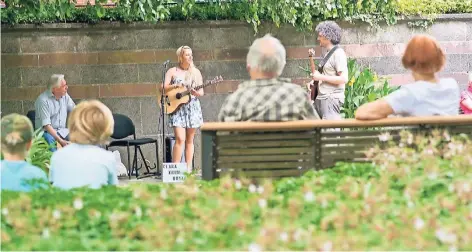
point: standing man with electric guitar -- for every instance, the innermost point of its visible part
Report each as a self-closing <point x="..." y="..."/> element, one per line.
<point x="329" y="80"/>
<point x="188" y="117"/>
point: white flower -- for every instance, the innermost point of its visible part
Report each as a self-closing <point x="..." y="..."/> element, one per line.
<point x="46" y="233"/>
<point x="451" y="188"/>
<point x="466" y="187"/>
<point x="179" y="239"/>
<point x="78" y="204"/>
<point x="254" y="247"/>
<point x="324" y="203"/>
<point x="297" y="234"/>
<point x="433" y="175"/>
<point x="327" y="246"/>
<point x="5" y="211"/>
<point x="384" y="137"/>
<point x="262" y="203"/>
<point x="309" y="197"/>
<point x="138" y="212"/>
<point x="409" y="141"/>
<point x="56" y="214"/>
<point x="163" y="194"/>
<point x="237" y="184"/>
<point x="419" y="224"/>
<point x="252" y="188"/>
<point x="445" y="237"/>
<point x="283" y="237"/>
<point x="260" y="189"/>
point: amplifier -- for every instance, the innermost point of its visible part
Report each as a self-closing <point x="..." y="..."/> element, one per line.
<point x="170" y="141"/>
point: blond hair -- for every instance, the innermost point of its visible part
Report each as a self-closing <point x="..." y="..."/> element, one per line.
<point x="17" y="132"/>
<point x="91" y="122"/>
<point x="190" y="77"/>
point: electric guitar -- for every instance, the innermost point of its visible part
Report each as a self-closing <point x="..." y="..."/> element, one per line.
<point x="175" y="98"/>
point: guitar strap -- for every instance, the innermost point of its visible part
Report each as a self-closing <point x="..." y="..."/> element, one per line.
<point x="325" y="59"/>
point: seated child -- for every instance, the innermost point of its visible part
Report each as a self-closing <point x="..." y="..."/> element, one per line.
<point x="82" y="163"/>
<point x="16" y="173"/>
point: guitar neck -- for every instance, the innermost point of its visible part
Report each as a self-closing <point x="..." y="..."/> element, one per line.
<point x="203" y="85"/>
<point x="198" y="87"/>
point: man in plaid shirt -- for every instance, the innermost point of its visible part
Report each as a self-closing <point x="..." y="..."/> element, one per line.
<point x="266" y="97"/>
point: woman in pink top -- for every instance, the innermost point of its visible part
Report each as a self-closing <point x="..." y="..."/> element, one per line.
<point x="466" y="98"/>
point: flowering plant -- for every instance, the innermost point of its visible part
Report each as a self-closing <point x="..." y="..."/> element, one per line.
<point x="416" y="195"/>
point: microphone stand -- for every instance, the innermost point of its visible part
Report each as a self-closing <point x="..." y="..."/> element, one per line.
<point x="163" y="114"/>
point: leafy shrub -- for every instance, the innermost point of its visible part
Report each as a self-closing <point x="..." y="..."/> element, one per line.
<point x="417" y="196"/>
<point x="432" y="7"/>
<point x="299" y="13"/>
<point x="364" y="86"/>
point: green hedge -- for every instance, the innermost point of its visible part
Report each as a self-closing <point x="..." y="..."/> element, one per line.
<point x="299" y="13"/>
<point x="416" y="197"/>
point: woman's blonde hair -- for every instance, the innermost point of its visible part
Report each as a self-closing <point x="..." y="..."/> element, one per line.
<point x="17" y="132"/>
<point x="91" y="122"/>
<point x="191" y="74"/>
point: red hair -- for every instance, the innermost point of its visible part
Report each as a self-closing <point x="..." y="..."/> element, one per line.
<point x="423" y="55"/>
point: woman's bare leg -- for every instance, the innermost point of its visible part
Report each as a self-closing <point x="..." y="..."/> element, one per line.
<point x="189" y="147"/>
<point x="179" y="134"/>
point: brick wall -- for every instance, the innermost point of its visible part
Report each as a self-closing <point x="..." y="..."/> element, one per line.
<point x="121" y="65"/>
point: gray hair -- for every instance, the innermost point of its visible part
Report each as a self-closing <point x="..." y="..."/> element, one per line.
<point x="56" y="80"/>
<point x="330" y="30"/>
<point x="267" y="54"/>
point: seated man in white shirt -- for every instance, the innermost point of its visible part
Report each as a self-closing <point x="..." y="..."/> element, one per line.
<point x="52" y="107"/>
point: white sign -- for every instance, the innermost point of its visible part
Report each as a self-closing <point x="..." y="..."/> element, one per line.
<point x="173" y="172"/>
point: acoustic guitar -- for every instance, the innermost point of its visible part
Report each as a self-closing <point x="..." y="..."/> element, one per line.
<point x="179" y="96"/>
<point x="314" y="84"/>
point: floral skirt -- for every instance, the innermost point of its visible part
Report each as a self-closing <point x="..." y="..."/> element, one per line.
<point x="188" y="115"/>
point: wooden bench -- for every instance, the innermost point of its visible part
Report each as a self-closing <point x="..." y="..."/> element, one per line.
<point x="281" y="149"/>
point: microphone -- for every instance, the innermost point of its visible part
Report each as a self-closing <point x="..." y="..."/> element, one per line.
<point x="166" y="62"/>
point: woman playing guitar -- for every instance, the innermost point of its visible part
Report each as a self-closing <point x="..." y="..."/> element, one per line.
<point x="188" y="118"/>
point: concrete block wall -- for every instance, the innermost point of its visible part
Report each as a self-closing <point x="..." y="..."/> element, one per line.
<point x="121" y="64"/>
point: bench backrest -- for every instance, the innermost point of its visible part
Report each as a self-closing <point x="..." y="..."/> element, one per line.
<point x="281" y="149"/>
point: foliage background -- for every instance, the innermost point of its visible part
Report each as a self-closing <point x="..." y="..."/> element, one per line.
<point x="299" y="13"/>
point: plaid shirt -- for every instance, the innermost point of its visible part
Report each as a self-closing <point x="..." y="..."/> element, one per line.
<point x="267" y="100"/>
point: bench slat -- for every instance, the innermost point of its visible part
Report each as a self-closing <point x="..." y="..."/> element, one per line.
<point x="265" y="144"/>
<point x="264" y="174"/>
<point x="264" y="158"/>
<point x="263" y="136"/>
<point x="266" y="165"/>
<point x="264" y="151"/>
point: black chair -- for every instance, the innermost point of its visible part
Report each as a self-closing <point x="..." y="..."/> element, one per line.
<point x="123" y="128"/>
<point x="32" y="116"/>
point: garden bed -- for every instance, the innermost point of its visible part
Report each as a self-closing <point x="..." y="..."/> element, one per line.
<point x="414" y="197"/>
